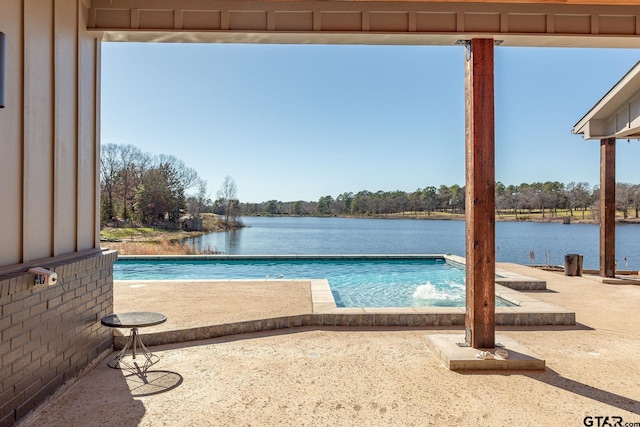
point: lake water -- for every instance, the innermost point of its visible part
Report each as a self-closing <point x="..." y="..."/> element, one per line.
<point x="514" y="240"/>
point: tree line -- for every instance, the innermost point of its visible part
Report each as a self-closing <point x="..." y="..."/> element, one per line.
<point x="547" y="198"/>
<point x="160" y="190"/>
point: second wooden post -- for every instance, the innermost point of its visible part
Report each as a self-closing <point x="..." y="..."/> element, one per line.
<point x="480" y="194"/>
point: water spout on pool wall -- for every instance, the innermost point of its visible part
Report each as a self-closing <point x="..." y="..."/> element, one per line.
<point x="429" y="295"/>
<point x="426" y="291"/>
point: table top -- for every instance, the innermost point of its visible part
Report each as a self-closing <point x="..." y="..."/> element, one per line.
<point x="137" y="319"/>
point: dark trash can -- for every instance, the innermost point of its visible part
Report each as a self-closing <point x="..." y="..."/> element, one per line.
<point x="573" y="265"/>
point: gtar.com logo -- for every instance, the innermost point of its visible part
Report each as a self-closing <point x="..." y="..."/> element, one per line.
<point x="602" y="421"/>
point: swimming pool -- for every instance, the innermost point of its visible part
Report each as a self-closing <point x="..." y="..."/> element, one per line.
<point x="354" y="281"/>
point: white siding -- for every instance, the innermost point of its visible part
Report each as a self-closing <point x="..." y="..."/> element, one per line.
<point x="48" y="144"/>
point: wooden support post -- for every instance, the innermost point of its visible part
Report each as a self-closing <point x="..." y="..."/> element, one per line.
<point x="480" y="194"/>
<point x="607" y="207"/>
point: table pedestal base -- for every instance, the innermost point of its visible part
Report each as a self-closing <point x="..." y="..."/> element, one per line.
<point x="138" y="353"/>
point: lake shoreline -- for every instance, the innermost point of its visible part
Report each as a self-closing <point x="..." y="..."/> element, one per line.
<point x="520" y="242"/>
<point x="458" y="217"/>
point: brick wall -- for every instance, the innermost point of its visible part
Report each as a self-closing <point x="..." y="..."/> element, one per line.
<point x="50" y="333"/>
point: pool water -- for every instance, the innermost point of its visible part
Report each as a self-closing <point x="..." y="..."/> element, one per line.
<point x="424" y="282"/>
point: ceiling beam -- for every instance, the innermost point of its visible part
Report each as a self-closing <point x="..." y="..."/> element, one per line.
<point x="566" y="23"/>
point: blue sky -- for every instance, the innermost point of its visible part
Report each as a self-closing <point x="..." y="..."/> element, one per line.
<point x="297" y="122"/>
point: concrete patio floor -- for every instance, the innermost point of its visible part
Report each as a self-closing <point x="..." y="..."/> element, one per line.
<point x="360" y="376"/>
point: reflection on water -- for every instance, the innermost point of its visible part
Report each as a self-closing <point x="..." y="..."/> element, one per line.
<point x="231" y="241"/>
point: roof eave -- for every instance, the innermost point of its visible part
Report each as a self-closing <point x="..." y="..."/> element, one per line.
<point x="603" y="108"/>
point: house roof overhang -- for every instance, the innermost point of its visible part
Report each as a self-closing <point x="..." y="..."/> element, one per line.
<point x="617" y="114"/>
<point x="532" y="23"/>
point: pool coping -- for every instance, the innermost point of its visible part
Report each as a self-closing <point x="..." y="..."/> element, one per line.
<point x="506" y="278"/>
<point x="325" y="313"/>
<point x="454" y="258"/>
<point x="528" y="310"/>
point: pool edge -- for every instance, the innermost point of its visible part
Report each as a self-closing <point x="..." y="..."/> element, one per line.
<point x="325" y="313"/>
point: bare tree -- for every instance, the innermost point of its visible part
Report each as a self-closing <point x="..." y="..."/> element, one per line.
<point x="635" y="198"/>
<point x="109" y="178"/>
<point x="121" y="171"/>
<point x="188" y="177"/>
<point x="528" y="197"/>
<point x="197" y="204"/>
<point x="624" y="197"/>
<point x="227" y="195"/>
<point x="133" y="164"/>
<point x="550" y="196"/>
<point x="579" y="196"/>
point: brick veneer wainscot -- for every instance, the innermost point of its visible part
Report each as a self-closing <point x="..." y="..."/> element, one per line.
<point x="50" y="333"/>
